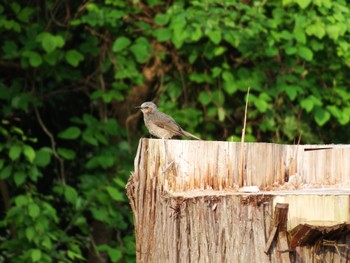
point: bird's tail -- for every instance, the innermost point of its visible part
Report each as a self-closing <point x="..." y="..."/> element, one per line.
<point x="185" y="133"/>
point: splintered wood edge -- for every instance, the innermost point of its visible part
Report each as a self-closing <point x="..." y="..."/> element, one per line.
<point x="210" y="192"/>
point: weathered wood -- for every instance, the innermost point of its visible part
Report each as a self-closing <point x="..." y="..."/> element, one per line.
<point x="306" y="234"/>
<point x="281" y="216"/>
<point x="283" y="248"/>
<point x="270" y="239"/>
<point x="215" y="165"/>
<point x="322" y="207"/>
<point x="187" y="208"/>
<point x="280" y="221"/>
<point x="280" y="227"/>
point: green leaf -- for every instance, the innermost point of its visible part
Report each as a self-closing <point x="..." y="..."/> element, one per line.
<point x="286" y="2"/>
<point x="19" y="177"/>
<point x="215" y="36"/>
<point x="34" y="58"/>
<point x="219" y="50"/>
<point x="197" y="34"/>
<point x="291" y="91"/>
<point x="70" y="194"/>
<point x="15" y="152"/>
<point x="204" y="98"/>
<point x="111" y="127"/>
<point x="80" y="221"/>
<point x="317" y="30"/>
<point x="261" y="102"/>
<point x="305" y="53"/>
<point x="50" y="42"/>
<point x="115" y="193"/>
<point x="310" y="102"/>
<point x="88" y="136"/>
<point x="161" y="19"/>
<point x="200" y="77"/>
<point x="115" y="254"/>
<point x="221" y="114"/>
<point x="140" y="52"/>
<point x="36" y="255"/>
<point x="120" y="182"/>
<point x="121" y="43"/>
<point x="6" y="172"/>
<point x="70" y="133"/>
<point x="43" y="157"/>
<point x="322" y="116"/>
<point x="216" y="71"/>
<point x="162" y="34"/>
<point x="303" y="3"/>
<point x="34" y="173"/>
<point x="22" y="101"/>
<point x="307" y="104"/>
<point x="30" y="233"/>
<point x="10" y="49"/>
<point x="218" y="96"/>
<point x="52" y="58"/>
<point x="29" y="153"/>
<point x="106" y="161"/>
<point x="73" y="255"/>
<point x="25" y="14"/>
<point x="229" y="82"/>
<point x="21" y="200"/>
<point x="101" y="138"/>
<point x="178" y="25"/>
<point x="271" y="51"/>
<point x="47" y="243"/>
<point x="66" y="153"/>
<point x="99" y="213"/>
<point x="299" y="35"/>
<point x="334" y="31"/>
<point x="33" y="210"/>
<point x="340" y="114"/>
<point x="74" y="57"/>
<point x="116" y="95"/>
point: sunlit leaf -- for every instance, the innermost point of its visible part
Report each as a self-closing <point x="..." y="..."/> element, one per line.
<point x="322" y="116"/>
<point x="70" y="133"/>
<point x="121" y="43"/>
<point x="15" y="152"/>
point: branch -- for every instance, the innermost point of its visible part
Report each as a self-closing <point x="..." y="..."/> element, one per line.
<point x="53" y="145"/>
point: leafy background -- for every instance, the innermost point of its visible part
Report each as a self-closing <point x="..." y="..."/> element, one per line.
<point x="73" y="71"/>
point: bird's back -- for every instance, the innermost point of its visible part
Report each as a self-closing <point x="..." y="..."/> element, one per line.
<point x="162" y="125"/>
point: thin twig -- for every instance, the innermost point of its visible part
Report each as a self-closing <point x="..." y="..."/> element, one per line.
<point x="53" y="145"/>
<point x="95" y="249"/>
<point x="241" y="163"/>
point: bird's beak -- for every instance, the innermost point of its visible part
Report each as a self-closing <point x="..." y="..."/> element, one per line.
<point x="138" y="107"/>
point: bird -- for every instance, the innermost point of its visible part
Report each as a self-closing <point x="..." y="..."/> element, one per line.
<point x="160" y="124"/>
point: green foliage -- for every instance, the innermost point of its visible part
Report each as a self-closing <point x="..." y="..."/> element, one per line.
<point x="71" y="74"/>
<point x="292" y="55"/>
<point x="64" y="170"/>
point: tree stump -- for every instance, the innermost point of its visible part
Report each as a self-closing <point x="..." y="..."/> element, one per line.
<point x="188" y="205"/>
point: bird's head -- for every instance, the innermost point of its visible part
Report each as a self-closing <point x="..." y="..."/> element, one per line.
<point x="147" y="107"/>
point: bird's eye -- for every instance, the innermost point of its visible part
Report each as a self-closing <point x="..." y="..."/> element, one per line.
<point x="146" y="107"/>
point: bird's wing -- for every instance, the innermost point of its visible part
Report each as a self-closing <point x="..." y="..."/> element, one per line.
<point x="166" y="122"/>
